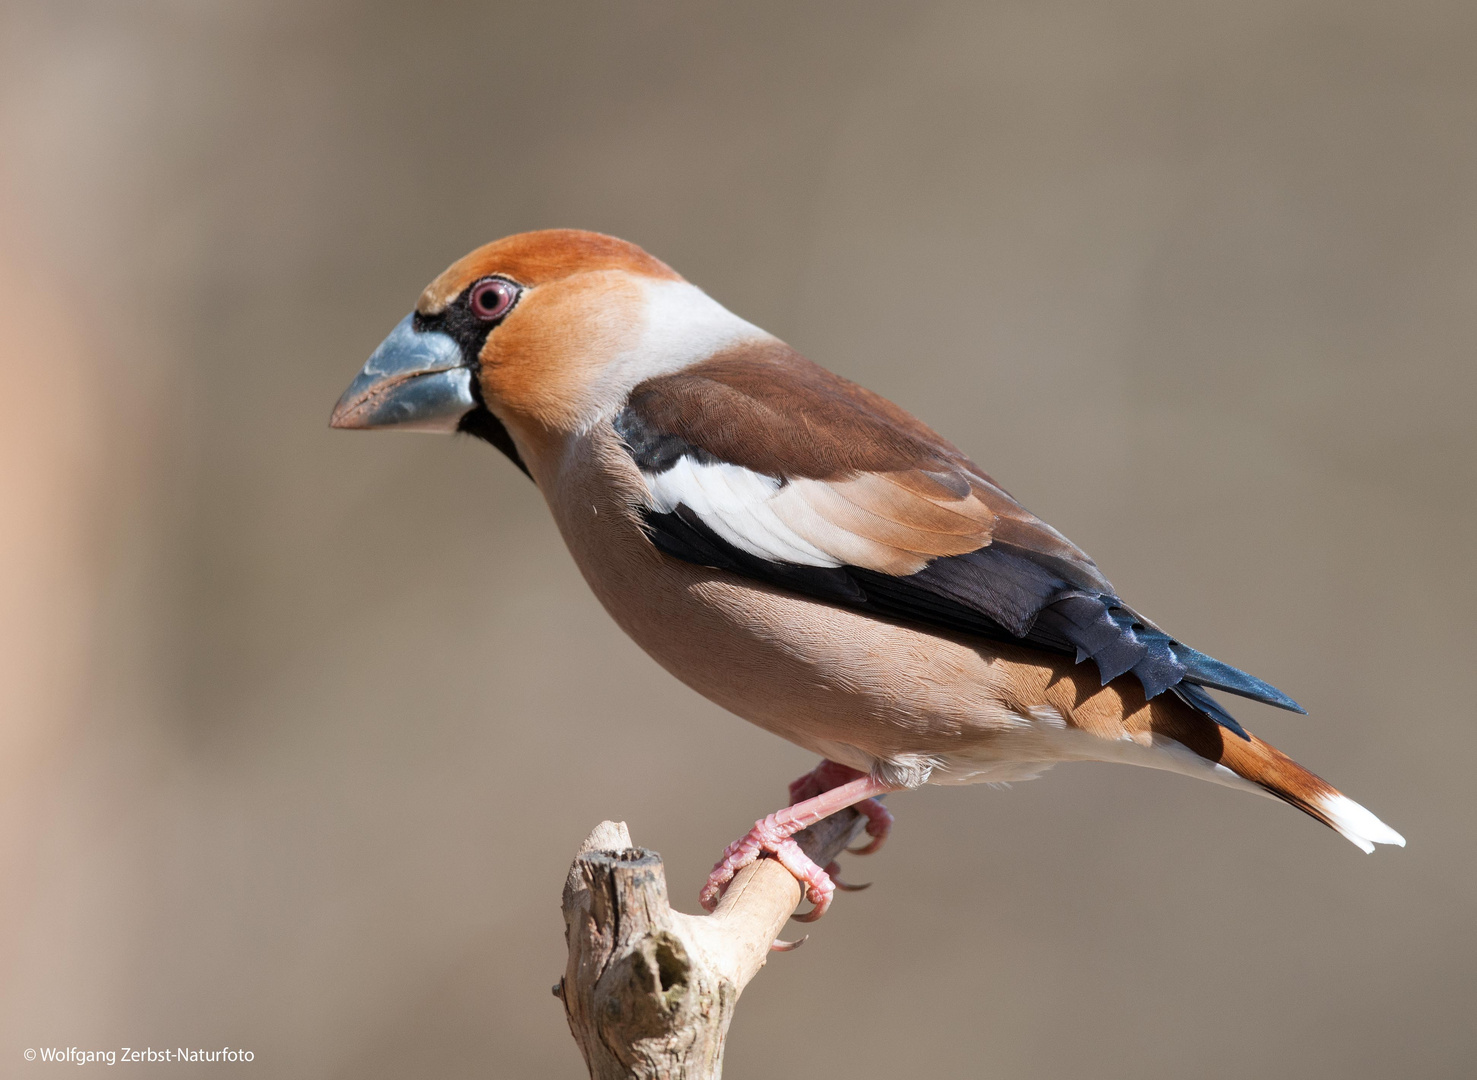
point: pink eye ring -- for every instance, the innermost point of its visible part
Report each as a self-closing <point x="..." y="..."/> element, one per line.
<point x="492" y="298"/>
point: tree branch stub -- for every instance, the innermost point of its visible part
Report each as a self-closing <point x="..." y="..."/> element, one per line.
<point x="650" y="992"/>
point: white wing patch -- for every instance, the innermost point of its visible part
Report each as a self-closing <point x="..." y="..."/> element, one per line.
<point x="738" y="505"/>
<point x="865" y="520"/>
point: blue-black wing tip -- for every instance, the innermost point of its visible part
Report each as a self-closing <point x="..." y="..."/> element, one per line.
<point x="1208" y="671"/>
<point x="1202" y="702"/>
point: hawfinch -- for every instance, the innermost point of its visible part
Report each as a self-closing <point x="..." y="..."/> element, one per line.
<point x="803" y="552"/>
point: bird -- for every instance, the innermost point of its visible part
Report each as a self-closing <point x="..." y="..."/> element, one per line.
<point x="804" y="552"/>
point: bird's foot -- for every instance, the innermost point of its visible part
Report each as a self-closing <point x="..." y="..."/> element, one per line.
<point x="829" y="775"/>
<point x="773" y="835"/>
<point x="770" y="837"/>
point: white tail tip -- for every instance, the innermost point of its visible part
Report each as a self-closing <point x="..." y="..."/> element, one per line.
<point x="1357" y="824"/>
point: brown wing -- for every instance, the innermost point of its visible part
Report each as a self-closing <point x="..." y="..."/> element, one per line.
<point x="763" y="463"/>
<point x="865" y="474"/>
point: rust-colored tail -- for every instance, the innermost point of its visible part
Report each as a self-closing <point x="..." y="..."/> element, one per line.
<point x="1272" y="770"/>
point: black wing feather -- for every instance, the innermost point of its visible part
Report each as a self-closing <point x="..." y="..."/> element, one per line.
<point x="1015" y="589"/>
<point x="998" y="593"/>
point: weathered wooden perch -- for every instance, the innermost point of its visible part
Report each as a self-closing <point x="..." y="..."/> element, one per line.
<point x="649" y="992"/>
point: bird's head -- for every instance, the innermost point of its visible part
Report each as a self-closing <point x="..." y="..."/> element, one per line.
<point x="533" y="338"/>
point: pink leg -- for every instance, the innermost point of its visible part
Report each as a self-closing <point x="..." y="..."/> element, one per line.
<point x="772" y="835"/>
<point x="828" y="775"/>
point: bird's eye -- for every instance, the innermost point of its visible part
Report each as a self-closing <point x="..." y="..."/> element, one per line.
<point x="492" y="298"/>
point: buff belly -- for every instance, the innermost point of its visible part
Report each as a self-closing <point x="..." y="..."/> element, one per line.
<point x="912" y="706"/>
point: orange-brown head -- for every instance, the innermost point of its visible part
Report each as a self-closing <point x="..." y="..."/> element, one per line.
<point x="538" y="334"/>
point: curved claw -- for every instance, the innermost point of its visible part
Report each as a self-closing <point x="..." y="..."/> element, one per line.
<point x="788" y="946"/>
<point x="816" y="912"/>
<point x="833" y="870"/>
<point x="868" y="849"/>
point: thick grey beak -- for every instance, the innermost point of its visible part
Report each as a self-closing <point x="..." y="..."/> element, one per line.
<point x="415" y="381"/>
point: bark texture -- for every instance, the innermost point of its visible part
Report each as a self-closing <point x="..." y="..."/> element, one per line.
<point x="649" y="992"/>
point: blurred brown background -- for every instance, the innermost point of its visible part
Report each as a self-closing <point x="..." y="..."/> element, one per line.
<point x="301" y="728"/>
